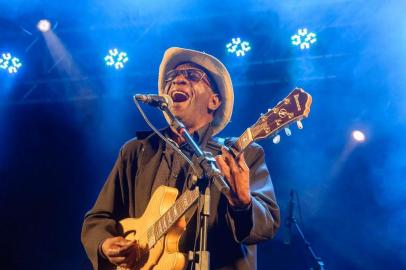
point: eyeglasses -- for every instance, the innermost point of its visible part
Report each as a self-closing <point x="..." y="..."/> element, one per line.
<point x="194" y="75"/>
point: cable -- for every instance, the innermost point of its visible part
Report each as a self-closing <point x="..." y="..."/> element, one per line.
<point x="197" y="233"/>
<point x="174" y="147"/>
<point x="299" y="207"/>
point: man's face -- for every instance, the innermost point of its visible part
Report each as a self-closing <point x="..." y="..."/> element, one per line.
<point x="193" y="98"/>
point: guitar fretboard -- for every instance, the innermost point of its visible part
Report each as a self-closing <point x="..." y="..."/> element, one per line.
<point x="167" y="220"/>
<point x="242" y="142"/>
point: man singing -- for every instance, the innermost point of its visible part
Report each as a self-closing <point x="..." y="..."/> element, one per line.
<point x="203" y="97"/>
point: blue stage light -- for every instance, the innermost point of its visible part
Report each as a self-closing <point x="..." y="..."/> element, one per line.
<point x="238" y="47"/>
<point x="303" y="38"/>
<point x="9" y="63"/>
<point x="116" y="59"/>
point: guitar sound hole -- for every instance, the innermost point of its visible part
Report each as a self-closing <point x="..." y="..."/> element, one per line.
<point x="130" y="232"/>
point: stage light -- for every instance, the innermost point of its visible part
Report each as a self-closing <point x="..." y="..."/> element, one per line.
<point x="358" y="136"/>
<point x="116" y="59"/>
<point x="44" y="25"/>
<point x="303" y="39"/>
<point x="9" y="63"/>
<point x="238" y="47"/>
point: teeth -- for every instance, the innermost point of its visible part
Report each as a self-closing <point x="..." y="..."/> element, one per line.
<point x="179" y="92"/>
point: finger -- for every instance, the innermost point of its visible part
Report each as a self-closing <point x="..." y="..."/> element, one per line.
<point x="123" y="242"/>
<point x="132" y="258"/>
<point x="230" y="175"/>
<point x="118" y="252"/>
<point x="116" y="260"/>
<point x="126" y="253"/>
<point x="113" y="252"/>
<point x="241" y="162"/>
<point x="223" y="166"/>
<point x="230" y="161"/>
<point x="116" y="242"/>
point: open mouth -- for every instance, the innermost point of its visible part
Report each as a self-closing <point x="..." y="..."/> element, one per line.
<point x="178" y="96"/>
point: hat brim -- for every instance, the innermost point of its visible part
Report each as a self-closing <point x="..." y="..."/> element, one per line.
<point x="218" y="72"/>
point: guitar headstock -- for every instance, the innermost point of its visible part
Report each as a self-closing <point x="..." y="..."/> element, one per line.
<point x="291" y="109"/>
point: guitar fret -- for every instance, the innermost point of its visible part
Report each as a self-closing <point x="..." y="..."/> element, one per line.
<point x="167" y="225"/>
<point x="181" y="203"/>
<point x="156" y="232"/>
<point x="246" y="139"/>
<point x="242" y="142"/>
<point x="187" y="198"/>
<point x="179" y="208"/>
<point x="163" y="223"/>
<point x="175" y="210"/>
<point x="186" y="201"/>
<point x="151" y="236"/>
<point x="159" y="231"/>
<point x="170" y="215"/>
<point x="159" y="228"/>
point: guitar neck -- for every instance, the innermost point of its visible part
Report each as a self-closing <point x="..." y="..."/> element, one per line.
<point x="242" y="142"/>
<point x="167" y="220"/>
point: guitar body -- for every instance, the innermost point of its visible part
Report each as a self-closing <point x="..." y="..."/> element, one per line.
<point x="165" y="253"/>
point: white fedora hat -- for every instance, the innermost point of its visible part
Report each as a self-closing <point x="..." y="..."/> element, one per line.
<point x="217" y="71"/>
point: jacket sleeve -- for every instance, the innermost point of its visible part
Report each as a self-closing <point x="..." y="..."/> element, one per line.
<point x="261" y="219"/>
<point x="101" y="221"/>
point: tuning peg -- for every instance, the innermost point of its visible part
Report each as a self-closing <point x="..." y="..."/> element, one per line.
<point x="276" y="139"/>
<point x="288" y="131"/>
<point x="299" y="124"/>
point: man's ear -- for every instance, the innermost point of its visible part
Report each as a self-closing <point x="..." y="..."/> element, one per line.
<point x="214" y="102"/>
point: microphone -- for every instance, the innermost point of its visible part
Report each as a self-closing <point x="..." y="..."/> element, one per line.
<point x="155" y="100"/>
<point x="290" y="219"/>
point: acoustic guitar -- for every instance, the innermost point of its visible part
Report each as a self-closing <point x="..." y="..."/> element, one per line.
<point x="157" y="232"/>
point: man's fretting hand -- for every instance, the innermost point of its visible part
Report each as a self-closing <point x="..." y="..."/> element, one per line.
<point x="237" y="175"/>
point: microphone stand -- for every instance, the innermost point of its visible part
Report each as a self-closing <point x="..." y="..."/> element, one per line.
<point x="208" y="170"/>
<point x="318" y="264"/>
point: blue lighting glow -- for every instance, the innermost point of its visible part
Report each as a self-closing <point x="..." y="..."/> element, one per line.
<point x="116" y="59"/>
<point x="238" y="47"/>
<point x="9" y="63"/>
<point x="44" y="25"/>
<point x="303" y="38"/>
<point x="358" y="136"/>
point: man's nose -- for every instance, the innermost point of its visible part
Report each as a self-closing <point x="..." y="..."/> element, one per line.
<point x="180" y="79"/>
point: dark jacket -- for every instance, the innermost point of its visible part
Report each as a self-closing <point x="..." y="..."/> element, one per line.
<point x="233" y="235"/>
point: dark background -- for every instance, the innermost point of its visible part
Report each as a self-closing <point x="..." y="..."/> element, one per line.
<point x="64" y="116"/>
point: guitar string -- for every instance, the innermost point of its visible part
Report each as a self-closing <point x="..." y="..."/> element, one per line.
<point x="159" y="235"/>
